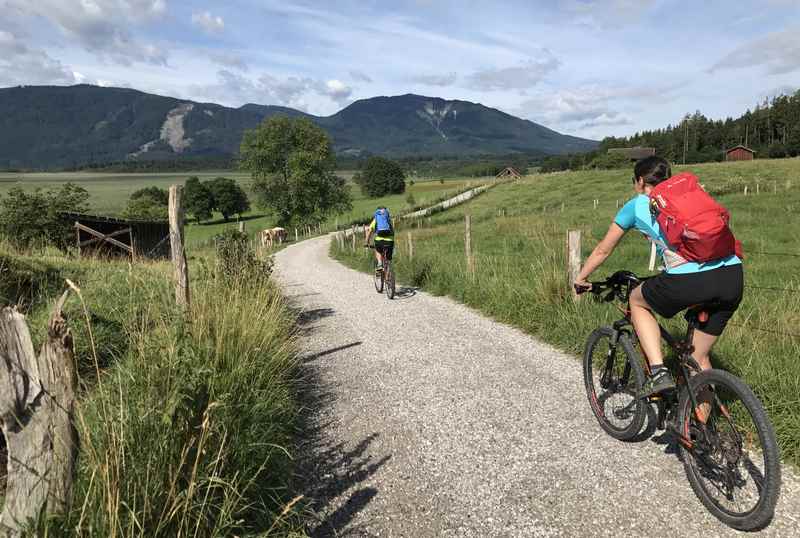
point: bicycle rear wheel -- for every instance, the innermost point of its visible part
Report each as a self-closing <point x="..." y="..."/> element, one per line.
<point x="613" y="376"/>
<point x="734" y="463"/>
<point x="389" y="282"/>
<point x="378" y="278"/>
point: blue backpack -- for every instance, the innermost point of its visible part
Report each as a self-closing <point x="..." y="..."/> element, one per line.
<point x="383" y="222"/>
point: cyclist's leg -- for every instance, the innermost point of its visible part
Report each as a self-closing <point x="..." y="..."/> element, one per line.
<point x="702" y="343"/>
<point x="646" y="327"/>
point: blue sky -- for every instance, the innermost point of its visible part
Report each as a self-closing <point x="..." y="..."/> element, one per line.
<point x="586" y="67"/>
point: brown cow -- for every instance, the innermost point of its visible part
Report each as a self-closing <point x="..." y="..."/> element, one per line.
<point x="270" y="235"/>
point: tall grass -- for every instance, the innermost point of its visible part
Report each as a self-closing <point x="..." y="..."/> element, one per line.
<point x="518" y="240"/>
<point x="186" y="423"/>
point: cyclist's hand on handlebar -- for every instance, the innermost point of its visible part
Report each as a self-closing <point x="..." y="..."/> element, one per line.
<point x="581" y="286"/>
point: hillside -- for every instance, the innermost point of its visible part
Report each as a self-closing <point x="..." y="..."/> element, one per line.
<point x="43" y="127"/>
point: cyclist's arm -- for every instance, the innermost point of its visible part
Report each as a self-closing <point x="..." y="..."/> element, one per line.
<point x="369" y="230"/>
<point x="602" y="251"/>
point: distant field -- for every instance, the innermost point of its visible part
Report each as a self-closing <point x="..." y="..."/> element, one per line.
<point x="518" y="237"/>
<point x="109" y="194"/>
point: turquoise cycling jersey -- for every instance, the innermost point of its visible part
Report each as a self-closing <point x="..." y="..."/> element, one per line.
<point x="636" y="214"/>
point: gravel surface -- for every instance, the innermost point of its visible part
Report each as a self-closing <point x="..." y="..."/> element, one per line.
<point x="432" y="420"/>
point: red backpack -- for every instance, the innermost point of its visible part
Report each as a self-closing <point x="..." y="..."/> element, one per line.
<point x="694" y="224"/>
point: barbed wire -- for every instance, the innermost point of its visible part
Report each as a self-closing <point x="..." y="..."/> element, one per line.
<point x="756" y="328"/>
<point x="768" y="288"/>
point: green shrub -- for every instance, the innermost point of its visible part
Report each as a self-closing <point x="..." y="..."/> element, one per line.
<point x="237" y="259"/>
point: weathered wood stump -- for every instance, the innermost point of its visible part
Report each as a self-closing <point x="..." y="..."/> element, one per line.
<point x="37" y="398"/>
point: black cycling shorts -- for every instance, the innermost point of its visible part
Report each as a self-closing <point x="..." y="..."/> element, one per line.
<point x="669" y="294"/>
<point x="385" y="247"/>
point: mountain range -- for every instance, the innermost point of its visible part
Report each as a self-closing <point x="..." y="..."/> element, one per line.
<point x="48" y="127"/>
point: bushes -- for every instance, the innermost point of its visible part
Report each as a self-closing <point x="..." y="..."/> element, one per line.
<point x="27" y="219"/>
<point x="236" y="258"/>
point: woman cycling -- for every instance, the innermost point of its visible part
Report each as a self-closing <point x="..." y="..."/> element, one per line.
<point x="681" y="285"/>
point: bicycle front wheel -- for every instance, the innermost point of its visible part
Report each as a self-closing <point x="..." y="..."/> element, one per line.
<point x="733" y="463"/>
<point x="389" y="282"/>
<point x="613" y="376"/>
<point x="378" y="279"/>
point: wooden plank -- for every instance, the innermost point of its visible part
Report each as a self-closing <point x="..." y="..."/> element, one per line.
<point x="180" y="267"/>
<point x="109" y="238"/>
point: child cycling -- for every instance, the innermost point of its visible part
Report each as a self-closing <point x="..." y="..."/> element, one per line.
<point x="383" y="229"/>
<point x="700" y="268"/>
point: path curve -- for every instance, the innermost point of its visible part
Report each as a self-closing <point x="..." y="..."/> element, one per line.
<point x="437" y="421"/>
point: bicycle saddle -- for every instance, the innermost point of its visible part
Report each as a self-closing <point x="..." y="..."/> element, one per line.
<point x="701" y="311"/>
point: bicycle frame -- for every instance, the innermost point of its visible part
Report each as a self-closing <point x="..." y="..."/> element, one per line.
<point x="683" y="349"/>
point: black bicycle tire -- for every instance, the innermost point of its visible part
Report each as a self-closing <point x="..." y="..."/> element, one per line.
<point x="761" y="515"/>
<point x="636" y="368"/>
<point x="390" y="284"/>
<point x="378" y="281"/>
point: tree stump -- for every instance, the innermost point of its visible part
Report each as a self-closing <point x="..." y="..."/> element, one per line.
<point x="37" y="398"/>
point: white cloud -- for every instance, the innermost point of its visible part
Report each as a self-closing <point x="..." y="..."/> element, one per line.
<point x="209" y="23"/>
<point x="605" y="13"/>
<point x="229" y="59"/>
<point x="444" y="79"/>
<point x="360" y="76"/>
<point x="519" y="77"/>
<point x="779" y="52"/>
<point x="296" y="92"/>
<point x="102" y="26"/>
<point x="337" y="90"/>
<point x="585" y="107"/>
<point x="20" y="64"/>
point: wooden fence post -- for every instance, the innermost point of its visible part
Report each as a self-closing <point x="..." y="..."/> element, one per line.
<point x="295" y="235"/>
<point x="241" y="226"/>
<point x="745" y="190"/>
<point x="37" y="400"/>
<point x="410" y="247"/>
<point x="354" y="238"/>
<point x="181" y="268"/>
<point x="573" y="259"/>
<point x="468" y="245"/>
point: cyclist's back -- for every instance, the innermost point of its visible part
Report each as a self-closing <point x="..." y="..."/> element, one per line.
<point x="383" y="229"/>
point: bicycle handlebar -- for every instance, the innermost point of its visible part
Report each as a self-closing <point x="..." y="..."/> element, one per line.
<point x="619" y="285"/>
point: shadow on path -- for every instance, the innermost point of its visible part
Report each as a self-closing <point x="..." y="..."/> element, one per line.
<point x="315" y="356"/>
<point x="331" y="474"/>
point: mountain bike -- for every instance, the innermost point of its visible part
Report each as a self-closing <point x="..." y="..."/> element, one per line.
<point x="384" y="278"/>
<point x="725" y="438"/>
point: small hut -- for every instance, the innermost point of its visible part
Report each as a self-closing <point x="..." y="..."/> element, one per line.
<point x="108" y="236"/>
<point x="633" y="154"/>
<point x="739" y="153"/>
<point x="508" y="172"/>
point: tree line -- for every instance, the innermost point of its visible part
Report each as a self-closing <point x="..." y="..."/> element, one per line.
<point x="771" y="129"/>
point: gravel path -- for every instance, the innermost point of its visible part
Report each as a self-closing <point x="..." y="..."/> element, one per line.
<point x="431" y="420"/>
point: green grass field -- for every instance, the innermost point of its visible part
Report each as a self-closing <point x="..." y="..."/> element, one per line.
<point x="109" y="194"/>
<point x="518" y="239"/>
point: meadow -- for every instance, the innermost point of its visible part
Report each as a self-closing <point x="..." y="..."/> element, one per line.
<point x="187" y="422"/>
<point x="518" y="241"/>
<point x="109" y="194"/>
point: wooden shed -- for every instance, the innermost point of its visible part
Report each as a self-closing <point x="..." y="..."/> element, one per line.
<point x="633" y="154"/>
<point x="508" y="172"/>
<point x="739" y="153"/>
<point x="112" y="237"/>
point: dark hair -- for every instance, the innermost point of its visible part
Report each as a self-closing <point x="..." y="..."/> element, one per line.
<point x="653" y="169"/>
